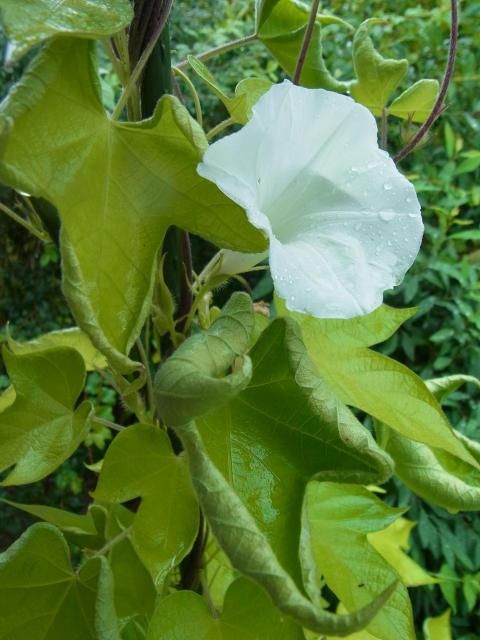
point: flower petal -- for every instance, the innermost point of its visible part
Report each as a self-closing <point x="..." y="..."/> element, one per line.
<point x="344" y="224"/>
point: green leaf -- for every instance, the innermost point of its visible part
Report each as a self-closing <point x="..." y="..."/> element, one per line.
<point x="7" y="398"/>
<point x="42" y="597"/>
<point x="134" y="592"/>
<point x="392" y="544"/>
<point x="249" y="551"/>
<point x="338" y="518"/>
<point x="78" y="528"/>
<point x="438" y="628"/>
<point x="281" y="26"/>
<point x="140" y="463"/>
<point x="248" y="614"/>
<point x="432" y="473"/>
<point x="471" y="590"/>
<point x="374" y="383"/>
<point x="135" y="179"/>
<point x="196" y="378"/>
<point x="283" y="429"/>
<point x="473" y="234"/>
<point x="247" y="91"/>
<point x="449" y="584"/>
<point x="377" y="77"/>
<point x="471" y="162"/>
<point x="29" y="23"/>
<point x="416" y="102"/>
<point x="74" y="338"/>
<point x="42" y="428"/>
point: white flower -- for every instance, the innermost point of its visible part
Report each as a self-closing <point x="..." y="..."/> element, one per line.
<point x="343" y="224"/>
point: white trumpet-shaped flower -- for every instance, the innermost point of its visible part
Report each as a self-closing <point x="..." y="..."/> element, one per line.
<point x="343" y="224"/>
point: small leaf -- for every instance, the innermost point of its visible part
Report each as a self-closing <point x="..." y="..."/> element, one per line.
<point x="248" y="613"/>
<point x="377" y="77"/>
<point x="249" y="551"/>
<point x="29" y="23"/>
<point x="247" y="92"/>
<point x="42" y="428"/>
<point x="392" y="544"/>
<point x="432" y="473"/>
<point x="74" y="338"/>
<point x="196" y="378"/>
<point x="338" y="518"/>
<point x="281" y="26"/>
<point x="140" y="463"/>
<point x="416" y="102"/>
<point x="42" y="597"/>
<point x="438" y="628"/>
<point x="448" y="586"/>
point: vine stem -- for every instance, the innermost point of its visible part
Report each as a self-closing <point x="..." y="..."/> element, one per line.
<point x="223" y="48"/>
<point x="108" y="423"/>
<point x="140" y="66"/>
<point x="220" y="127"/>
<point x="144" y="359"/>
<point x="439" y="106"/>
<point x="115" y="540"/>
<point x="193" y="91"/>
<point x="306" y="42"/>
<point x="44" y="237"/>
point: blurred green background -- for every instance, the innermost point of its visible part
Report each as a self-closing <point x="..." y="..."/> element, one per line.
<point x="442" y="338"/>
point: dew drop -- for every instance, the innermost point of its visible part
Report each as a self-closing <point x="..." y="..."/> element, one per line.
<point x="408" y="200"/>
<point x="386" y="215"/>
<point x="371" y="165"/>
<point x="389" y="243"/>
<point x="387" y="186"/>
<point x="412" y="215"/>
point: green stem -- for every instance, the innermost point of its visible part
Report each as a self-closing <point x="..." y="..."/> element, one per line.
<point x="193" y="91"/>
<point x="108" y="423"/>
<point x="220" y="127"/>
<point x="384" y="130"/>
<point x="115" y="540"/>
<point x="143" y="357"/>
<point x="223" y="48"/>
<point x="41" y="235"/>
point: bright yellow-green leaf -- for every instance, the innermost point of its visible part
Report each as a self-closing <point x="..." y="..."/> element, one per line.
<point x="29" y="22"/>
<point x="248" y="614"/>
<point x="416" y="102"/>
<point x="247" y="91"/>
<point x="338" y="519"/>
<point x="140" y="463"/>
<point x="249" y="551"/>
<point x="377" y="77"/>
<point x="117" y="187"/>
<point x="392" y="544"/>
<point x="432" y="473"/>
<point x="284" y="428"/>
<point x="438" y="628"/>
<point x="41" y="596"/>
<point x="74" y="338"/>
<point x="281" y="26"/>
<point x="42" y="428"/>
<point x="374" y="383"/>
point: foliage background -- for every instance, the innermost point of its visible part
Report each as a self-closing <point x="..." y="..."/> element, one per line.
<point x="442" y="338"/>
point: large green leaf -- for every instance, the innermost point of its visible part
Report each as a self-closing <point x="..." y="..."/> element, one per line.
<point x="338" y="518"/>
<point x="281" y="26"/>
<point x="249" y="551"/>
<point x="196" y="378"/>
<point x="42" y="428"/>
<point x="377" y="77"/>
<point x="117" y="187"/>
<point x="376" y="384"/>
<point x="416" y="102"/>
<point x="29" y="22"/>
<point x="286" y="427"/>
<point x="247" y="91"/>
<point x="434" y="474"/>
<point x="42" y="597"/>
<point x="248" y="614"/>
<point x="140" y="463"/>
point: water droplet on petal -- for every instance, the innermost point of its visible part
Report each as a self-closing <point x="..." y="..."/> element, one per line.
<point x="408" y="200"/>
<point x="386" y="215"/>
<point x="371" y="165"/>
<point x="387" y="186"/>
<point x="412" y="215"/>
